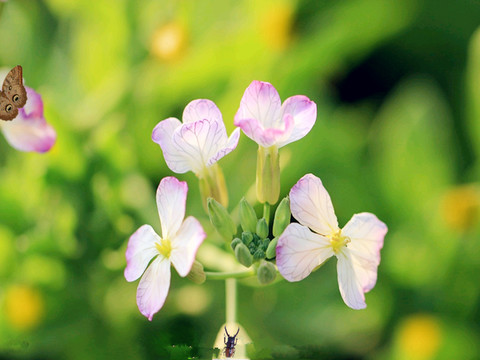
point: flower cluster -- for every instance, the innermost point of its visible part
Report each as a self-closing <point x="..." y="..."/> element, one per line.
<point x="293" y="249"/>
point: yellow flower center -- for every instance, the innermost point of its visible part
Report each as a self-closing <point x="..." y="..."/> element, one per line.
<point x="338" y="241"/>
<point x="164" y="248"/>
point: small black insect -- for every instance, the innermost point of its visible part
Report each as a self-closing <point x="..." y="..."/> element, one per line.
<point x="229" y="349"/>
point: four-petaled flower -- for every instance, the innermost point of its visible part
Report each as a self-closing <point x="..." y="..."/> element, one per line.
<point x="268" y="122"/>
<point x="29" y="131"/>
<point x="178" y="245"/>
<point x="197" y="143"/>
<point x="356" y="246"/>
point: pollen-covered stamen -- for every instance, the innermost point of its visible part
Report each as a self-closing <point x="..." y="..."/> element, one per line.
<point x="338" y="241"/>
<point x="164" y="248"/>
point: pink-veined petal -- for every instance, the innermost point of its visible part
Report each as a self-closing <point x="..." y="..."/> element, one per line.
<point x="199" y="141"/>
<point x="34" y="104"/>
<point x="227" y="148"/>
<point x="349" y="281"/>
<point x="140" y="250"/>
<point x="261" y="102"/>
<point x="304" y="113"/>
<point x="299" y="251"/>
<point x="171" y="200"/>
<point x="175" y="158"/>
<point x="185" y="245"/>
<point x="202" y="109"/>
<point x="30" y="133"/>
<point x="366" y="233"/>
<point x="153" y="287"/>
<point x="311" y="205"/>
<point x="255" y="131"/>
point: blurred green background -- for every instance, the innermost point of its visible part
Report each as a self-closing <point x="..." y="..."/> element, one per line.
<point x="397" y="85"/>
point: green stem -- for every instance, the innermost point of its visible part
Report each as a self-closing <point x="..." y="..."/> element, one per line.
<point x="266" y="212"/>
<point x="229" y="275"/>
<point x="230" y="300"/>
<point x="1" y="8"/>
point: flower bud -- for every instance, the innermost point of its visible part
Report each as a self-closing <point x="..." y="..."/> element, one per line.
<point x="221" y="219"/>
<point x="272" y="249"/>
<point x="247" y="237"/>
<point x="196" y="274"/>
<point x="259" y="254"/>
<point x="262" y="228"/>
<point x="248" y="218"/>
<point x="235" y="242"/>
<point x="266" y="273"/>
<point x="268" y="175"/>
<point x="282" y="217"/>
<point x="264" y="244"/>
<point x="243" y="255"/>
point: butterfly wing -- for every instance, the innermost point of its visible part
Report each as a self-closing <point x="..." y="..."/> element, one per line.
<point x="8" y="111"/>
<point x="13" y="87"/>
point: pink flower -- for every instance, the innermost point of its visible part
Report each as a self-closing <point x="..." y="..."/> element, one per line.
<point x="356" y="246"/>
<point x="268" y="122"/>
<point x="199" y="142"/>
<point x="178" y="245"/>
<point x="29" y="131"/>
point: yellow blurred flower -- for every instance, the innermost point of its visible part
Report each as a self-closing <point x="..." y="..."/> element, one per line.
<point x="461" y="207"/>
<point x="276" y="25"/>
<point x="419" y="337"/>
<point x="169" y="41"/>
<point x="24" y="307"/>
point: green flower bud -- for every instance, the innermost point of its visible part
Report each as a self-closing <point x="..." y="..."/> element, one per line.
<point x="266" y="273"/>
<point x="259" y="254"/>
<point x="247" y="237"/>
<point x="264" y="244"/>
<point x="262" y="228"/>
<point x="282" y="217"/>
<point x="196" y="274"/>
<point x="268" y="175"/>
<point x="221" y="219"/>
<point x="235" y="242"/>
<point x="248" y="218"/>
<point x="272" y="249"/>
<point x="243" y="255"/>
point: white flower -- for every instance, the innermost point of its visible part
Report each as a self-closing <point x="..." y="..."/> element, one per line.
<point x="268" y="122"/>
<point x="197" y="143"/>
<point x="178" y="245"/>
<point x="356" y="246"/>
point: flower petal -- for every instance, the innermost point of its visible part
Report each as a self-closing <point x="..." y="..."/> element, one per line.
<point x="153" y="287"/>
<point x="140" y="250"/>
<point x="171" y="200"/>
<point x="366" y="233"/>
<point x="185" y="245"/>
<point x="299" y="251"/>
<point x="255" y="131"/>
<point x="350" y="278"/>
<point x="34" y="105"/>
<point x="311" y="205"/>
<point x="304" y="113"/>
<point x="202" y="109"/>
<point x="174" y="157"/>
<point x="227" y="148"/>
<point x="29" y="131"/>
<point x="262" y="103"/>
<point x="199" y="141"/>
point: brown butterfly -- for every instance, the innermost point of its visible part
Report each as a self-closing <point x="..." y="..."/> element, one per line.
<point x="13" y="95"/>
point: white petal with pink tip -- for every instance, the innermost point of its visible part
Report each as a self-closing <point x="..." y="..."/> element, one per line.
<point x="171" y="202"/>
<point x="299" y="251"/>
<point x="140" y="250"/>
<point x="153" y="287"/>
